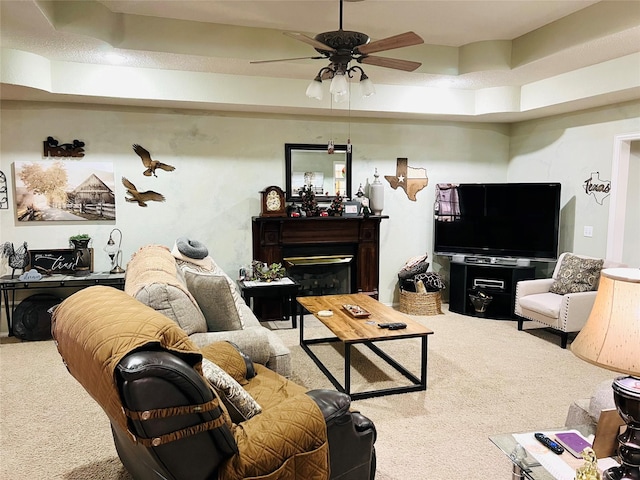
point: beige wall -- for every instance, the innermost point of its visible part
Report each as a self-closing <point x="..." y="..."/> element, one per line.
<point x="223" y="160"/>
<point x="568" y="149"/>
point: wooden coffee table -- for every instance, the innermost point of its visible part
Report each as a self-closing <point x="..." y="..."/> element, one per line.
<point x="351" y="330"/>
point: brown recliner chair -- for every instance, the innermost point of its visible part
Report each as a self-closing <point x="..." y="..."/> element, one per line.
<point x="169" y="423"/>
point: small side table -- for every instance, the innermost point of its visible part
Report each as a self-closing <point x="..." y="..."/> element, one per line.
<point x="286" y="289"/>
<point x="526" y="467"/>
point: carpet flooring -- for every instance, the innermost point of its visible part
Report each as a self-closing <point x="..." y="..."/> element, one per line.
<point x="484" y="377"/>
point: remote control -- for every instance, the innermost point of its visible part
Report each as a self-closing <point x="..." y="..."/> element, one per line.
<point x="393" y="325"/>
<point x="397" y="326"/>
<point x="555" y="447"/>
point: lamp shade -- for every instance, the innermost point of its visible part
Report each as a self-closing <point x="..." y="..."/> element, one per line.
<point x="314" y="90"/>
<point x="367" y="87"/>
<point x="611" y="337"/>
<point x="339" y="85"/>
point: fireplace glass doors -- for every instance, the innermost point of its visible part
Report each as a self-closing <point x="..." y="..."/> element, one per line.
<point x="322" y="274"/>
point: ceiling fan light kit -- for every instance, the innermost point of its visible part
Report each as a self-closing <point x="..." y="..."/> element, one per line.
<point x="314" y="90"/>
<point x="339" y="84"/>
<point x="341" y="47"/>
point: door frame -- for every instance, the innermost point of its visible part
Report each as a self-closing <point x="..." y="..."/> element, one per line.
<point x="620" y="183"/>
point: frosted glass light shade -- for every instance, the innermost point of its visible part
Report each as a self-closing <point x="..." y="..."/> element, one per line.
<point x="341" y="98"/>
<point x="367" y="87"/>
<point x="339" y="85"/>
<point x="314" y="90"/>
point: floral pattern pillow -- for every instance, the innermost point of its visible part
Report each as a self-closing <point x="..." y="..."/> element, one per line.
<point x="577" y="274"/>
<point x="236" y="398"/>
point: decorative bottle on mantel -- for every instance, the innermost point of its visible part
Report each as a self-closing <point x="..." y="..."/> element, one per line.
<point x="376" y="195"/>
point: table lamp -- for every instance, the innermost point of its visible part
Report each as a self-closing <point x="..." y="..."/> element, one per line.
<point x="611" y="339"/>
<point x="114" y="252"/>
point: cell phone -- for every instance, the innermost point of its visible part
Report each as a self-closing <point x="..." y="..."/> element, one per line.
<point x="574" y="443"/>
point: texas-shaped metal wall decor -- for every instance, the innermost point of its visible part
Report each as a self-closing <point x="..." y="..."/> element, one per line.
<point x="410" y="179"/>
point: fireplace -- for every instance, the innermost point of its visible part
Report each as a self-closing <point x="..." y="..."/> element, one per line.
<point x="275" y="239"/>
<point x="321" y="274"/>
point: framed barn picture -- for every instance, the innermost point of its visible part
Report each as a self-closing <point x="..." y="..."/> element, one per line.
<point x="64" y="191"/>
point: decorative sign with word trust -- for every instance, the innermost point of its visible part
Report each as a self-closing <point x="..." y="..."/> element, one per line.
<point x="61" y="261"/>
<point x="600" y="189"/>
<point x="52" y="148"/>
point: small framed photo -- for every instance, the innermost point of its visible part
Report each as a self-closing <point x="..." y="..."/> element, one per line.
<point x="351" y="208"/>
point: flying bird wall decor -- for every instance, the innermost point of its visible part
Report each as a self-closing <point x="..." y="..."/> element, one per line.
<point x="141" y="197"/>
<point x="151" y="164"/>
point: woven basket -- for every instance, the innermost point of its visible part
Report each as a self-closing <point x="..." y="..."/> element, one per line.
<point x="412" y="303"/>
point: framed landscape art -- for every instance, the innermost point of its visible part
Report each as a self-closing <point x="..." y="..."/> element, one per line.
<point x="64" y="191"/>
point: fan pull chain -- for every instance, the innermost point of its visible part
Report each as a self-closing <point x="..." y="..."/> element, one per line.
<point x="349" y="122"/>
<point x="330" y="145"/>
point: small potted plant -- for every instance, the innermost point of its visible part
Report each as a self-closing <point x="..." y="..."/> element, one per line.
<point x="82" y="254"/>
<point x="80" y="241"/>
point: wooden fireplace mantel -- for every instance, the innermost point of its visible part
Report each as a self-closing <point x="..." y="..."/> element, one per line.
<point x="272" y="236"/>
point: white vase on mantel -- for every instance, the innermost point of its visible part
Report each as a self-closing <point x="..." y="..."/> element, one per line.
<point x="376" y="195"/>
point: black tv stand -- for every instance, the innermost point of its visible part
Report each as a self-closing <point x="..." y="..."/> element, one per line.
<point x="497" y="281"/>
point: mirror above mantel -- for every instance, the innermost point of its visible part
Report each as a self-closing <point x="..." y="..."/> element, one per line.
<point x="311" y="164"/>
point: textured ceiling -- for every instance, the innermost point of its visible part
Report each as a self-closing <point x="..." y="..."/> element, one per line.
<point x="469" y="46"/>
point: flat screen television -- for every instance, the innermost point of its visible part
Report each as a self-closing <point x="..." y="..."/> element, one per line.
<point x="520" y="220"/>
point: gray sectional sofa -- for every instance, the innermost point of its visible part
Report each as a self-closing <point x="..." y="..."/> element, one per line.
<point x="204" y="302"/>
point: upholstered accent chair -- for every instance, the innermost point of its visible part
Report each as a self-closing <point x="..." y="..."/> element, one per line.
<point x="564" y="301"/>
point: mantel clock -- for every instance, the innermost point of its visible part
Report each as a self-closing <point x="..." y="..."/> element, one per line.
<point x="273" y="204"/>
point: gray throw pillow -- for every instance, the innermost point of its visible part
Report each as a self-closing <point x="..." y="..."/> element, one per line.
<point x="173" y="302"/>
<point x="577" y="274"/>
<point x="214" y="297"/>
<point x="215" y="270"/>
<point x="240" y="405"/>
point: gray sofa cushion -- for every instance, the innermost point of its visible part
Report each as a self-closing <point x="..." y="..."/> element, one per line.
<point x="214" y="270"/>
<point x="172" y="302"/>
<point x="153" y="279"/>
<point x="213" y="294"/>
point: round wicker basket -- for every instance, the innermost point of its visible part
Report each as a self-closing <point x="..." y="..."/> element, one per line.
<point x="412" y="303"/>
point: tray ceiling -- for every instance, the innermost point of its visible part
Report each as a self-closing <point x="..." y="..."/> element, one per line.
<point x="481" y="60"/>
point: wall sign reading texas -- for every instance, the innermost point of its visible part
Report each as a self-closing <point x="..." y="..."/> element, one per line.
<point x="410" y="179"/>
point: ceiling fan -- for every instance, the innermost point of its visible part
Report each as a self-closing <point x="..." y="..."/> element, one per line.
<point x="341" y="47"/>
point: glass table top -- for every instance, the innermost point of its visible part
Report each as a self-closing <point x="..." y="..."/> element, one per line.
<point x="529" y="467"/>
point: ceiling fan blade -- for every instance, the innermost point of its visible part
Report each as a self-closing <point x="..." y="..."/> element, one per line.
<point x="311" y="41"/>
<point x="406" y="65"/>
<point x="287" y="59"/>
<point x="397" y="41"/>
